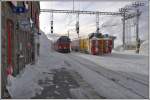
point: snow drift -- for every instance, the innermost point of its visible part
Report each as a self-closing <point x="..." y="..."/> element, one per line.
<point x="24" y="85"/>
<point x="144" y="48"/>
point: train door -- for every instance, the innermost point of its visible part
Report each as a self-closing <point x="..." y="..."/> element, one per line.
<point x="100" y="46"/>
<point x="94" y="46"/>
<point x="110" y="45"/>
<point x="106" y="46"/>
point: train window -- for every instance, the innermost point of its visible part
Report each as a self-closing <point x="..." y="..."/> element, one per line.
<point x="64" y="39"/>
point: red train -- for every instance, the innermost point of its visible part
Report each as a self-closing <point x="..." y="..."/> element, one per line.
<point x="62" y="44"/>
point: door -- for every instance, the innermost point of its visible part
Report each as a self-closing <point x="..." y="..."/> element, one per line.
<point x="10" y="46"/>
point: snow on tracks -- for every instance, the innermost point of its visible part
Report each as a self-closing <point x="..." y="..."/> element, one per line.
<point x="109" y="83"/>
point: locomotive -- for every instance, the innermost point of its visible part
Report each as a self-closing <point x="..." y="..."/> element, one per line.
<point x="62" y="44"/>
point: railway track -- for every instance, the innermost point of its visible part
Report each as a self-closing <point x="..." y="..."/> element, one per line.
<point x="116" y="77"/>
<point x="115" y="72"/>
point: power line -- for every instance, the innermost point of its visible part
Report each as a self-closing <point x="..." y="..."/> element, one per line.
<point x="81" y="12"/>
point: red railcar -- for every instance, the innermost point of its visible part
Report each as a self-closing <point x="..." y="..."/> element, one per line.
<point x="94" y="46"/>
<point x="62" y="44"/>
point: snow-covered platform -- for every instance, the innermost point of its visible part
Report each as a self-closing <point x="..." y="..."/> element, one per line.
<point x="114" y="76"/>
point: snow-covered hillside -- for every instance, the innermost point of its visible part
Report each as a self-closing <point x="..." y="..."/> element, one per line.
<point x="117" y="29"/>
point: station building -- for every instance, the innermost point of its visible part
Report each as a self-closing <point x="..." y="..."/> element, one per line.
<point x="20" y="37"/>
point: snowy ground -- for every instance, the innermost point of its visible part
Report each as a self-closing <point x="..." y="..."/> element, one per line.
<point x="118" y="75"/>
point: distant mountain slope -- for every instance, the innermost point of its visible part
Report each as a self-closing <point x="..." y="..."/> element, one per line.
<point x="117" y="29"/>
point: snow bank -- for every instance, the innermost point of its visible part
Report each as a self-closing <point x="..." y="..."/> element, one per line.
<point x="24" y="85"/>
<point x="45" y="44"/>
<point x="121" y="62"/>
<point x="118" y="48"/>
<point x="48" y="58"/>
<point x="144" y="48"/>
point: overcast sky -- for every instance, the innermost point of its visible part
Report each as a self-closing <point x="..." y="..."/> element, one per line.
<point x="65" y="22"/>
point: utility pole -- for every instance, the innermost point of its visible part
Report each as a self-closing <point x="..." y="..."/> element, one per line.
<point x="138" y="13"/>
<point x="127" y="16"/>
<point x="52" y="23"/>
<point x="123" y="10"/>
<point x="137" y="25"/>
<point x="123" y="32"/>
<point x="97" y="23"/>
